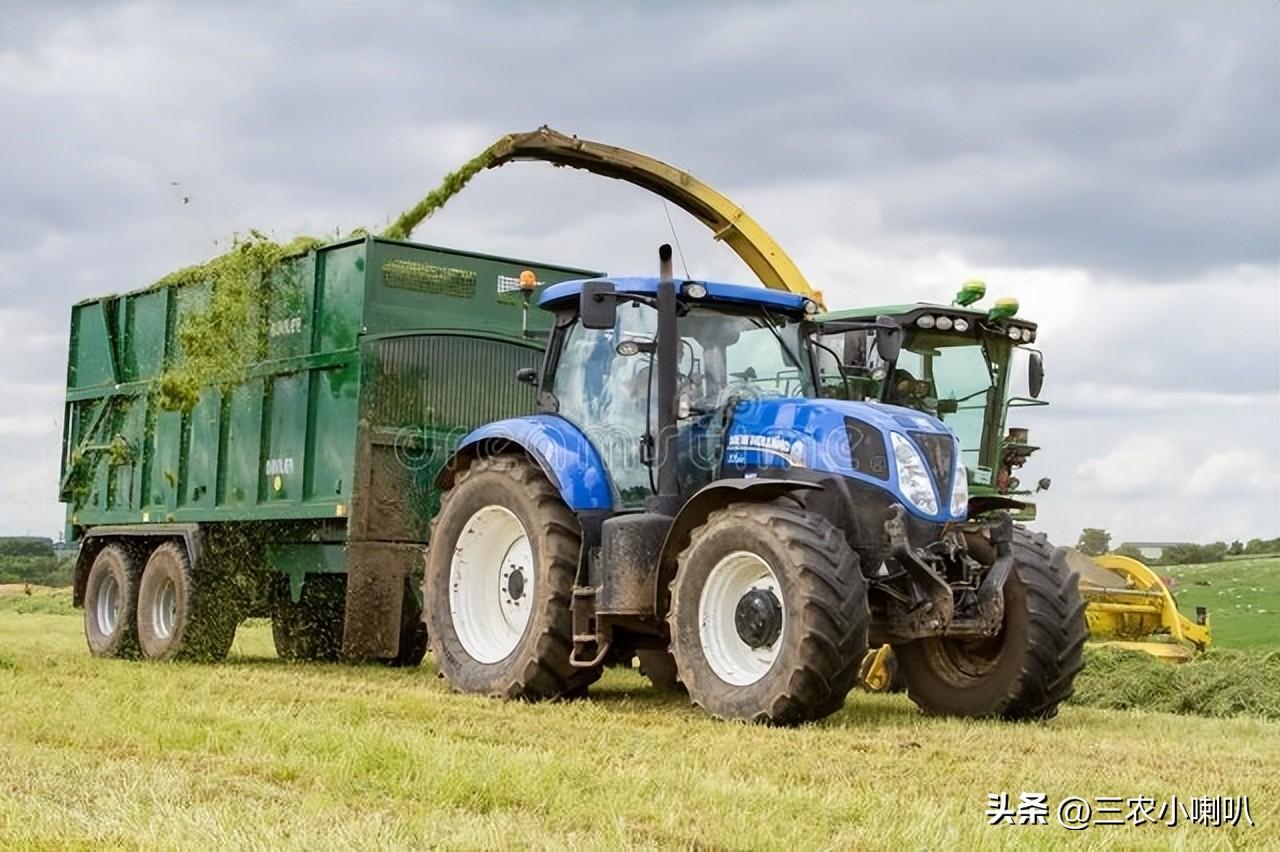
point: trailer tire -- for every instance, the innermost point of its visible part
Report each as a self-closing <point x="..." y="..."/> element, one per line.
<point x="524" y="548"/>
<point x="111" y="603"/>
<point x="790" y="580"/>
<point x="181" y="615"/>
<point x="311" y="629"/>
<point x="1026" y="671"/>
<point x="660" y="668"/>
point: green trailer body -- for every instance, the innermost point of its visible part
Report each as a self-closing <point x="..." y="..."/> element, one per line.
<point x="375" y="357"/>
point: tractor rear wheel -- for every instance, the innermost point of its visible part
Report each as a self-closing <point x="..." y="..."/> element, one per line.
<point x="768" y="614"/>
<point x="499" y="581"/>
<point x="309" y="630"/>
<point x="111" y="603"/>
<point x="181" y="616"/>
<point x="1026" y="670"/>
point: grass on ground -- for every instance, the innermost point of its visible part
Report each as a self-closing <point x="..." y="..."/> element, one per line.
<point x="256" y="752"/>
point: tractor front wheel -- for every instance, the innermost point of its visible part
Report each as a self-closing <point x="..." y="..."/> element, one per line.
<point x="500" y="573"/>
<point x="768" y="615"/>
<point x="1026" y="670"/>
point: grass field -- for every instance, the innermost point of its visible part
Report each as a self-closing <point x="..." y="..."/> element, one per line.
<point x="1242" y="595"/>
<point x="256" y="752"/>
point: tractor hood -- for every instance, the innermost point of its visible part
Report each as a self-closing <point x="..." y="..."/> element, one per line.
<point x="907" y="453"/>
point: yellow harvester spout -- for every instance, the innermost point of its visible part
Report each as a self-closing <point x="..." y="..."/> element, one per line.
<point x="727" y="221"/>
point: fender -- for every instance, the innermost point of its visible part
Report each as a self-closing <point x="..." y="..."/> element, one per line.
<point x="564" y="453"/>
<point x="96" y="538"/>
<point x="699" y="507"/>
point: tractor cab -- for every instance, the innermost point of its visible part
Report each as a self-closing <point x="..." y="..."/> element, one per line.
<point x="964" y="365"/>
<point x="734" y="344"/>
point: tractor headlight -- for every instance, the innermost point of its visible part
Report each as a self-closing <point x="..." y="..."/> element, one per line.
<point x="961" y="324"/>
<point x="960" y="495"/>
<point x="913" y="477"/>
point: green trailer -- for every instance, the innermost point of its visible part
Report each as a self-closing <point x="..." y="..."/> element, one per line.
<point x="302" y="489"/>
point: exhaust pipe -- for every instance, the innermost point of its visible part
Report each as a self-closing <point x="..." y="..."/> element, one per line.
<point x="667" y="500"/>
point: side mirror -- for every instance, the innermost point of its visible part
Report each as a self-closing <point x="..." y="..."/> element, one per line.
<point x="1035" y="375"/>
<point x="527" y="376"/>
<point x="888" y="339"/>
<point x="948" y="406"/>
<point x="597" y="308"/>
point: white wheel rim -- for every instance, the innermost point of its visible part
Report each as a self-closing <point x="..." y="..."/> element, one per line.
<point x="108" y="606"/>
<point x="492" y="580"/>
<point x="730" y="657"/>
<point x="164" y="609"/>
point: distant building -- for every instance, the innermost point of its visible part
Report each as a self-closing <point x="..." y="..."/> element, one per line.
<point x="1152" y="549"/>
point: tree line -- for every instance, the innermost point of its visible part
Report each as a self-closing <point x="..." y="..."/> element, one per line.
<point x="33" y="561"/>
<point x="1095" y="542"/>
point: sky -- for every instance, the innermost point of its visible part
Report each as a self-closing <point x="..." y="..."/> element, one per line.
<point x="1115" y="167"/>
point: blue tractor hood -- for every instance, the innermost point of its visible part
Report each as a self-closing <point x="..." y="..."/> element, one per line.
<point x="853" y="439"/>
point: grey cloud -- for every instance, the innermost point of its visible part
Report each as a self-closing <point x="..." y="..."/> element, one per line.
<point x="1138" y="142"/>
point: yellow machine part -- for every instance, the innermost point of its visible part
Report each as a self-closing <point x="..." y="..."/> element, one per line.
<point x="727" y="221"/>
<point x="1127" y="606"/>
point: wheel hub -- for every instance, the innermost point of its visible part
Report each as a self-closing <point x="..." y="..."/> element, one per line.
<point x="515" y="584"/>
<point x="491" y="579"/>
<point x="741" y="618"/>
<point x="758" y="618"/>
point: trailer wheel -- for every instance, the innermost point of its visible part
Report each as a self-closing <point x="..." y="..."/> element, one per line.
<point x="311" y="629"/>
<point x="181" y="615"/>
<point x="110" y="602"/>
<point x="660" y="668"/>
<point x="768" y="615"/>
<point x="1027" y="670"/>
<point x="500" y="573"/>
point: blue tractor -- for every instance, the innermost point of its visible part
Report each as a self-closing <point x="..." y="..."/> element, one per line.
<point x="686" y="496"/>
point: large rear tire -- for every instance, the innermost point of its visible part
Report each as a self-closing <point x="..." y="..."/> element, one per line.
<point x="499" y="583"/>
<point x="111" y="603"/>
<point x="1027" y="670"/>
<point x="309" y="630"/>
<point x="768" y="615"/>
<point x="181" y="616"/>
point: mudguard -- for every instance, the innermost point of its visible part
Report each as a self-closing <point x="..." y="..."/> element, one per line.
<point x="560" y="448"/>
<point x="700" y="506"/>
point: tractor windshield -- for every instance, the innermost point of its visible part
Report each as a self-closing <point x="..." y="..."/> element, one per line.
<point x="949" y="376"/>
<point x="725" y="356"/>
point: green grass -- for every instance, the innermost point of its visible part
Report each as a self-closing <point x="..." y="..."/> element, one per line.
<point x="256" y="752"/>
<point x="1242" y="595"/>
